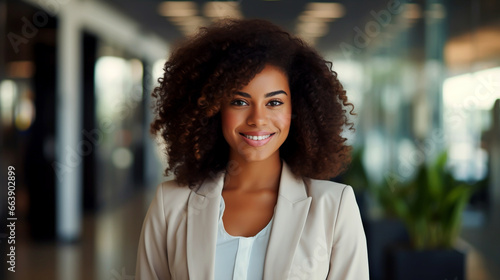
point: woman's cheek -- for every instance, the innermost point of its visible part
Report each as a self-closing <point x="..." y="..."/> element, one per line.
<point x="230" y="121"/>
<point x="283" y="120"/>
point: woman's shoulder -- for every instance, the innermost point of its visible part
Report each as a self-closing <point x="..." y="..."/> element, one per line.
<point x="326" y="187"/>
<point x="328" y="190"/>
<point x="172" y="194"/>
<point x="173" y="186"/>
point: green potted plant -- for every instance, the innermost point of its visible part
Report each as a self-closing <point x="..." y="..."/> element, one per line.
<point x="431" y="207"/>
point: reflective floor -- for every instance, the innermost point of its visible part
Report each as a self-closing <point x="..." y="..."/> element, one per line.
<point x="108" y="248"/>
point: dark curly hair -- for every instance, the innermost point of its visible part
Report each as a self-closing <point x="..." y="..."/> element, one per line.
<point x="204" y="70"/>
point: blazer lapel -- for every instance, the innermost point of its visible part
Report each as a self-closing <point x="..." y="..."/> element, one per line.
<point x="202" y="222"/>
<point x="290" y="217"/>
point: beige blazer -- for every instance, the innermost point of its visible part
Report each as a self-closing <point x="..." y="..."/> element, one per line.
<point x="316" y="232"/>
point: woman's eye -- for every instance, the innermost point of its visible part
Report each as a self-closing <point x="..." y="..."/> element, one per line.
<point x="238" y="102"/>
<point x="275" y="103"/>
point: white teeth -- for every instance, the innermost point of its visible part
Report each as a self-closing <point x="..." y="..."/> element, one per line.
<point x="257" y="138"/>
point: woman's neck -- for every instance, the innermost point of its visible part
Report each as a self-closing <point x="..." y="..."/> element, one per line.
<point x="253" y="176"/>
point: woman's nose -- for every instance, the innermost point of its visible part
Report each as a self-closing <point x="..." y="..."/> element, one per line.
<point x="257" y="117"/>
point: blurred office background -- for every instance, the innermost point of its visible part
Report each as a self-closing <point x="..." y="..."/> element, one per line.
<point x="75" y="83"/>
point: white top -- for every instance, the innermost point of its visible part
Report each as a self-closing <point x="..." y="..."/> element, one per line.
<point x="238" y="257"/>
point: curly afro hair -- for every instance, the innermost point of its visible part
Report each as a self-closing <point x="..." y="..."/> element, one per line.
<point x="204" y="70"/>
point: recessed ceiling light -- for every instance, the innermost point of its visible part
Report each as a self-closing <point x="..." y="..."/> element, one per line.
<point x="313" y="21"/>
<point x="325" y="10"/>
<point x="222" y="9"/>
<point x="412" y="11"/>
<point x="178" y="9"/>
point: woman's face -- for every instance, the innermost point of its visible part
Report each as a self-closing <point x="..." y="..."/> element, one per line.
<point x="256" y="120"/>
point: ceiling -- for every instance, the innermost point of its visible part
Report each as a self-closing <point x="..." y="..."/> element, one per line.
<point x="462" y="17"/>
<point x="284" y="13"/>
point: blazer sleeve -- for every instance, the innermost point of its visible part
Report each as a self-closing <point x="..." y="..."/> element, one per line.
<point x="152" y="263"/>
<point x="349" y="258"/>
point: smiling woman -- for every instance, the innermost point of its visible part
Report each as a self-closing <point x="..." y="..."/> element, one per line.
<point x="252" y="118"/>
<point x="256" y="121"/>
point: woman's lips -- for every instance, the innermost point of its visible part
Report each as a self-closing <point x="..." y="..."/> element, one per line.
<point x="257" y="139"/>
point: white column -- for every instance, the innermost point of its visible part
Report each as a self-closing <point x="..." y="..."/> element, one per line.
<point x="70" y="148"/>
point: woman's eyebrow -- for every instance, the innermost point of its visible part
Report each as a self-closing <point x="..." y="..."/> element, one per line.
<point x="269" y="94"/>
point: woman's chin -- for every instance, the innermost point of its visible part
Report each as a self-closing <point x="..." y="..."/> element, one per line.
<point x="257" y="156"/>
